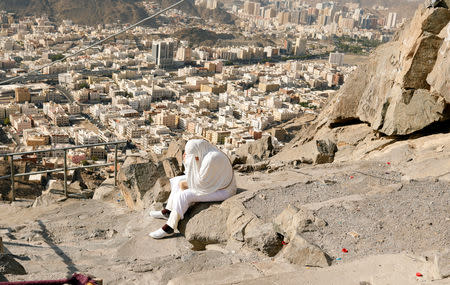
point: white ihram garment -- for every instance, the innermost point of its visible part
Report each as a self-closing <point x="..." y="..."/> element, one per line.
<point x="209" y="179"/>
<point x="180" y="200"/>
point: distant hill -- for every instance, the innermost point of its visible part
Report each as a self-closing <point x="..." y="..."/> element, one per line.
<point x="219" y="15"/>
<point x="93" y="12"/>
<point x="85" y="12"/>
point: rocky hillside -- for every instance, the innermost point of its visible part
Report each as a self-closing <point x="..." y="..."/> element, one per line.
<point x="198" y="36"/>
<point x="85" y="12"/>
<point x="92" y="12"/>
<point x="402" y="92"/>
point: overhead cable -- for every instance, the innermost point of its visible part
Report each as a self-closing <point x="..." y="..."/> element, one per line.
<point x="93" y="45"/>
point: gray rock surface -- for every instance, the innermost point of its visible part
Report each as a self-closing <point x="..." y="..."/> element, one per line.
<point x="159" y="193"/>
<point x="171" y="167"/>
<point x="300" y="252"/>
<point x="176" y="149"/>
<point x="205" y="224"/>
<point x="136" y="177"/>
<point x="256" y="151"/>
<point x="263" y="237"/>
<point x="442" y="263"/>
<point x="53" y="194"/>
<point x="107" y="191"/>
<point x="439" y="76"/>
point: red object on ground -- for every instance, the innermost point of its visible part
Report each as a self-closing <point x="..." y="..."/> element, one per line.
<point x="389" y="163"/>
<point x="344" y="250"/>
<point x="76" y="279"/>
<point x="418" y="274"/>
<point x="284" y="243"/>
<point x="351" y="177"/>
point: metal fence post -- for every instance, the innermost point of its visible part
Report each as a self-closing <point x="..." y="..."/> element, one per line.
<point x="13" y="190"/>
<point x="115" y="165"/>
<point x="65" y="173"/>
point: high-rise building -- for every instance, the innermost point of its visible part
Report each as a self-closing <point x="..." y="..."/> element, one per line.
<point x="249" y="7"/>
<point x="162" y="53"/>
<point x="295" y="17"/>
<point x="300" y="46"/>
<point x="22" y="95"/>
<point x="391" y="21"/>
<point x="336" y="59"/>
<point x="270" y="13"/>
<point x="183" y="54"/>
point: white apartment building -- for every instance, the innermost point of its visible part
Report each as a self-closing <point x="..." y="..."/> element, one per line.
<point x="135" y="132"/>
<point x="86" y="137"/>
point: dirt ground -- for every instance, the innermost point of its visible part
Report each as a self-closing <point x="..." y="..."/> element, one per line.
<point x="387" y="216"/>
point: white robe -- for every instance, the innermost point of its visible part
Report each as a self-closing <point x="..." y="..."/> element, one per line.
<point x="212" y="170"/>
<point x="209" y="176"/>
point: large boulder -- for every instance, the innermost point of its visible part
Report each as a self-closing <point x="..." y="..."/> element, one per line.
<point x="256" y="151"/>
<point x="203" y="224"/>
<point x="292" y="221"/>
<point x="263" y="238"/>
<point x="136" y="177"/>
<point x="395" y="84"/>
<point x="317" y="151"/>
<point x="107" y="191"/>
<point x="301" y="252"/>
<point x="402" y="89"/>
<point x="171" y="167"/>
<point x="176" y="149"/>
<point x="412" y="112"/>
<point x="53" y="194"/>
<point x="159" y="193"/>
<point x="439" y="76"/>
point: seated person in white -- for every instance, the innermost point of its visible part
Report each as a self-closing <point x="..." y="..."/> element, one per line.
<point x="209" y="178"/>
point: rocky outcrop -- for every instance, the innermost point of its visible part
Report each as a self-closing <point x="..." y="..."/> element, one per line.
<point x="171" y="167"/>
<point x="439" y="77"/>
<point x="402" y="89"/>
<point x="396" y="98"/>
<point x="176" y="149"/>
<point x="263" y="237"/>
<point x="257" y="151"/>
<point x="204" y="224"/>
<point x="107" y="191"/>
<point x="291" y="223"/>
<point x="301" y="252"/>
<point x="136" y="177"/>
<point x="392" y="93"/>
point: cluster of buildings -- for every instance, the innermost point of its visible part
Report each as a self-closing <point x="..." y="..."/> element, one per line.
<point x="142" y="91"/>
<point x="325" y="18"/>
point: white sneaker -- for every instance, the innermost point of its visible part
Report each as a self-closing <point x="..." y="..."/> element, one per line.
<point x="159" y="234"/>
<point x="158" y="215"/>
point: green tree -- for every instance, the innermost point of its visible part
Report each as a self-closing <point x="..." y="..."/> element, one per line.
<point x="6" y="121"/>
<point x="55" y="57"/>
<point x="18" y="59"/>
<point x="84" y="162"/>
<point x="84" y="85"/>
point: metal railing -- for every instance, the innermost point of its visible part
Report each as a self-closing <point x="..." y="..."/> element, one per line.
<point x="65" y="169"/>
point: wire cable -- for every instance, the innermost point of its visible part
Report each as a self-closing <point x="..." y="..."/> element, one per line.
<point x="93" y="45"/>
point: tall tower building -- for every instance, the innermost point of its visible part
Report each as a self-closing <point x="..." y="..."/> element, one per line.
<point x="162" y="53"/>
<point x="300" y="46"/>
<point x="391" y="21"/>
<point x="22" y="95"/>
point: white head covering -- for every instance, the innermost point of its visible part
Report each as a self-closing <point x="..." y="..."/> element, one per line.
<point x="211" y="172"/>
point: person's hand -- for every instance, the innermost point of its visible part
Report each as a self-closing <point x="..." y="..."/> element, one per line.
<point x="183" y="185"/>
